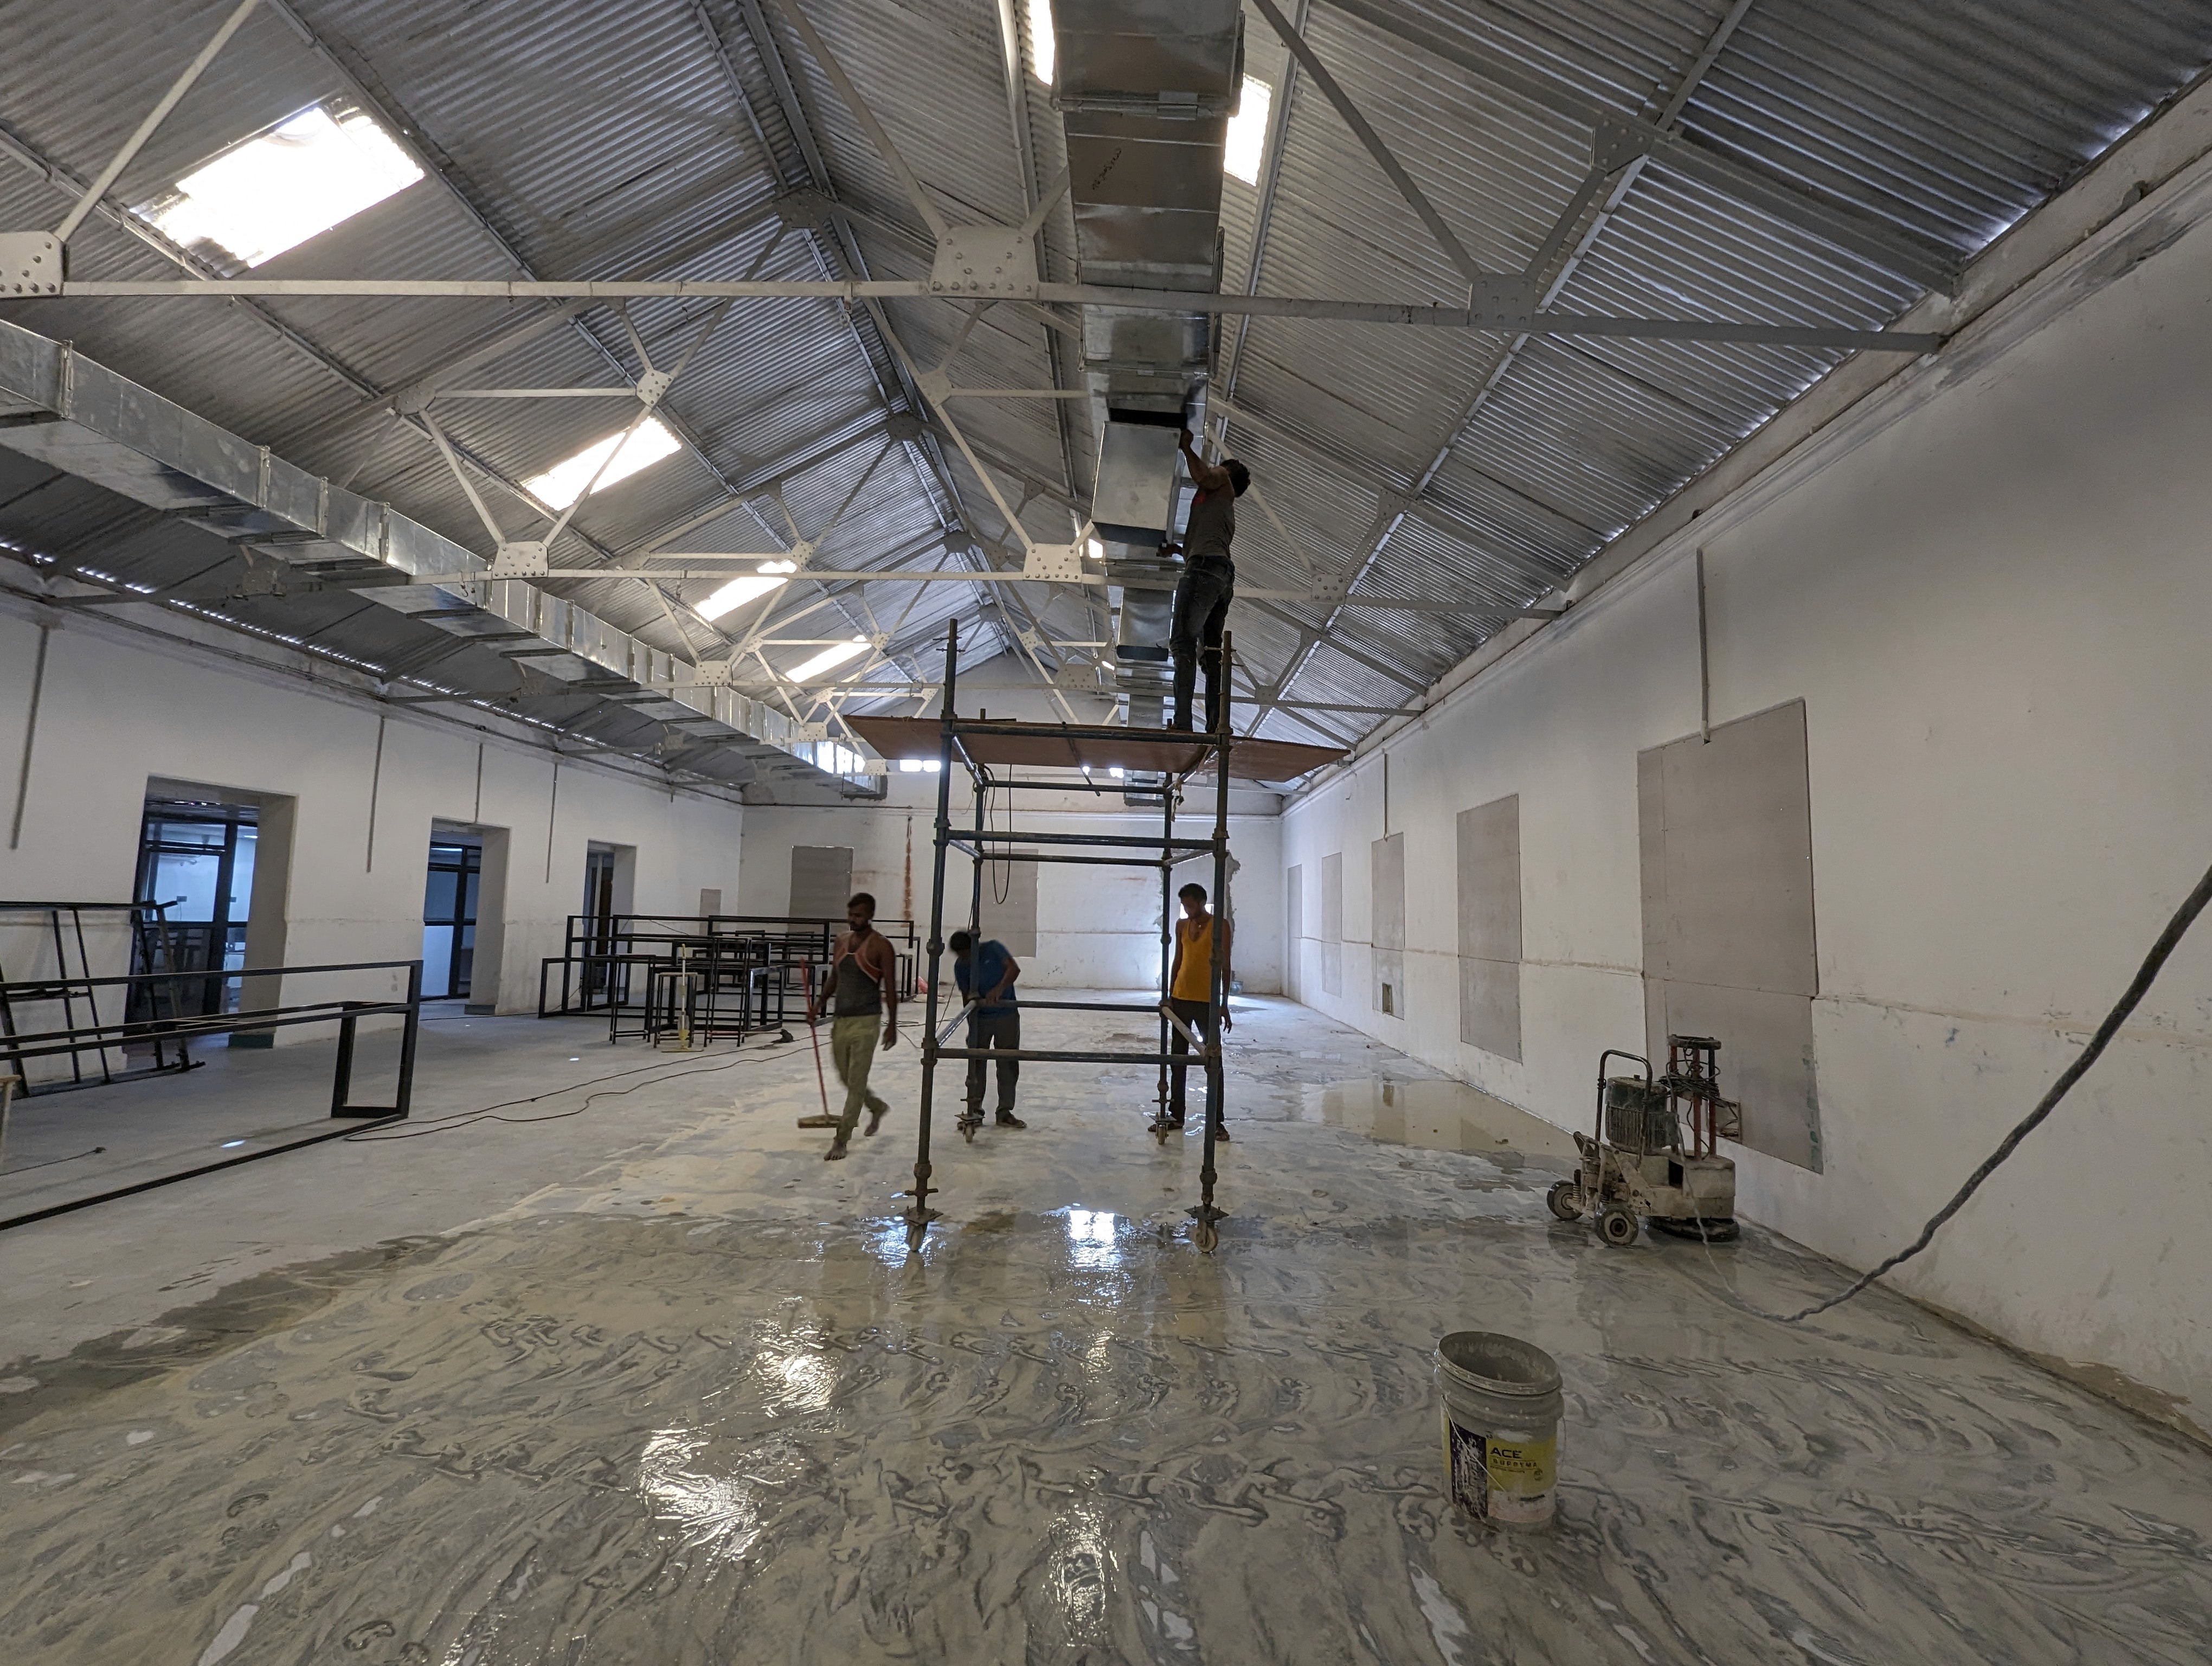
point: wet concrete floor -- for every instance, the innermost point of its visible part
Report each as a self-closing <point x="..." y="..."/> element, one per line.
<point x="698" y="1402"/>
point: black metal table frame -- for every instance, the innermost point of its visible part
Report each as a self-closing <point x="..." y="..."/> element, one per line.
<point x="983" y="843"/>
<point x="610" y="950"/>
<point x="346" y="1014"/>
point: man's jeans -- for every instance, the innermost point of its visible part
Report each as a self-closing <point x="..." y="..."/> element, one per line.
<point x="1202" y="607"/>
<point x="1002" y="1030"/>
<point x="853" y="1043"/>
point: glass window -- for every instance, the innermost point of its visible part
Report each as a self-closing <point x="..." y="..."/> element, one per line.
<point x="241" y="875"/>
<point x="440" y="895"/>
<point x="201" y="835"/>
<point x="187" y="881"/>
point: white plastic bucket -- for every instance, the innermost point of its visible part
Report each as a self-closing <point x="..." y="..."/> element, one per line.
<point x="1501" y="1416"/>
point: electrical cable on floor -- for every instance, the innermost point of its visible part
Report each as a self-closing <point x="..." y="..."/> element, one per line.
<point x="2161" y="952"/>
<point x="49" y="1162"/>
<point x="462" y="1119"/>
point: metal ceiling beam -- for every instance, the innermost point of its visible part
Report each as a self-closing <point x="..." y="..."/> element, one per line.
<point x="1894" y="247"/>
<point x="404" y="130"/>
<point x="98" y="189"/>
<point x="1318" y="308"/>
<point x="1610" y="177"/>
<point x="1453" y="520"/>
<point x="1341" y="100"/>
<point x="795" y="118"/>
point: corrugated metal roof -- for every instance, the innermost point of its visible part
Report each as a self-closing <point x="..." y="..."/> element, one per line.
<point x="657" y="138"/>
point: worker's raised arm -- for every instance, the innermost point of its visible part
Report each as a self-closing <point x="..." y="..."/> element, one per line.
<point x="1209" y="476"/>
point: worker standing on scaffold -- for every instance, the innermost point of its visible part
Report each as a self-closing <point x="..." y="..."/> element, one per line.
<point x="1190" y="997"/>
<point x="986" y="973"/>
<point x="1209" y="580"/>
<point x="864" y="984"/>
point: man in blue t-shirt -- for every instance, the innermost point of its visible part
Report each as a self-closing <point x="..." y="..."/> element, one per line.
<point x="987" y="974"/>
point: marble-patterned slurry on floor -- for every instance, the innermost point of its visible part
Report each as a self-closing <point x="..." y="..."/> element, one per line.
<point x="691" y="1411"/>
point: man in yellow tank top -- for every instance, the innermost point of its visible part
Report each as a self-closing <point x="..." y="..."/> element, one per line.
<point x="1190" y="995"/>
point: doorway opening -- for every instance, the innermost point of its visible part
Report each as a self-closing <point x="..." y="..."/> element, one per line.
<point x="609" y="871"/>
<point x="196" y="865"/>
<point x="449" y="915"/>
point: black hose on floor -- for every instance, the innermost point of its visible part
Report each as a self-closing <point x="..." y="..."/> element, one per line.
<point x="461" y="1119"/>
<point x="2161" y="952"/>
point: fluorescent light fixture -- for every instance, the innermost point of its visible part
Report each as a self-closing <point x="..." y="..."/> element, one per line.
<point x="1247" y="133"/>
<point x="564" y="483"/>
<point x="274" y="193"/>
<point x="738" y="592"/>
<point x="909" y="766"/>
<point x="1116" y="771"/>
<point x="830" y="659"/>
<point x="932" y="765"/>
<point x="1042" y="48"/>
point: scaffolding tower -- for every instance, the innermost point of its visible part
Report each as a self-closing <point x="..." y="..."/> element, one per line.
<point x="988" y="749"/>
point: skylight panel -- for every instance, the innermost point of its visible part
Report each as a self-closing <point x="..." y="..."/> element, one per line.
<point x="274" y="193"/>
<point x="1247" y="133"/>
<point x="1043" y="48"/>
<point x="564" y="483"/>
<point x="751" y="587"/>
<point x="830" y="659"/>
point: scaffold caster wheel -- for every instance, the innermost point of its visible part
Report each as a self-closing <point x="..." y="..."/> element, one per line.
<point x="1204" y="1234"/>
<point x="1617" y="1225"/>
<point x="917" y="1231"/>
<point x="968" y="1125"/>
<point x="1159" y="1128"/>
<point x="1563" y="1201"/>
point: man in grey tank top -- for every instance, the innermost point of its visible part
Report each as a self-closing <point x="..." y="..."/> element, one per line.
<point x="1209" y="580"/>
<point x="864" y="984"/>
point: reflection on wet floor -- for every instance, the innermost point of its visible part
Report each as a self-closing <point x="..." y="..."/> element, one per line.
<point x="1068" y="1436"/>
<point x="1439" y="1115"/>
<point x="765" y="1431"/>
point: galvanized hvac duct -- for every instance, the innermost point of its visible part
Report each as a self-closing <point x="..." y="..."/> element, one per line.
<point x="1145" y="89"/>
<point x="80" y="418"/>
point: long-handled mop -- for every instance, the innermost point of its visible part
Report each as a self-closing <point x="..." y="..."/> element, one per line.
<point x="825" y="1119"/>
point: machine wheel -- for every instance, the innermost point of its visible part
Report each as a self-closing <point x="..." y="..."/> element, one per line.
<point x="1205" y="1235"/>
<point x="1617" y="1225"/>
<point x="1563" y="1200"/>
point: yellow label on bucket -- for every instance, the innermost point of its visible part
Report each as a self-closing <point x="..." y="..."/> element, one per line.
<point x="1505" y="1477"/>
<point x="1521" y="1473"/>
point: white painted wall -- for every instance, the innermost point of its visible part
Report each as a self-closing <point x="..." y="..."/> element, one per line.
<point x="1995" y="603"/>
<point x="1098" y="927"/>
<point x="119" y="710"/>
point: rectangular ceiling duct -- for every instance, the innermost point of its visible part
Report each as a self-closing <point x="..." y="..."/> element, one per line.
<point x="79" y="417"/>
<point x="1145" y="89"/>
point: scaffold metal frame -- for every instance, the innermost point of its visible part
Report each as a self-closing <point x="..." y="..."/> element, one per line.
<point x="1192" y="754"/>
